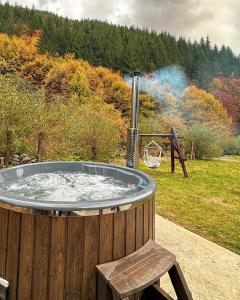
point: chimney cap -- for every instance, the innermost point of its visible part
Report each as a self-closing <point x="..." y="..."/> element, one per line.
<point x="136" y="73"/>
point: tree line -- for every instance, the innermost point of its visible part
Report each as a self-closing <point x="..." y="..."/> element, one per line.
<point x="121" y="48"/>
<point x="60" y="107"/>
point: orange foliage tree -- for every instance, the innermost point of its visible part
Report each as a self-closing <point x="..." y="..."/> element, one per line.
<point x="200" y="106"/>
<point x="16" y="51"/>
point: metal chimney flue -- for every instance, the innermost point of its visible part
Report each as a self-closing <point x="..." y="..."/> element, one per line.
<point x="132" y="135"/>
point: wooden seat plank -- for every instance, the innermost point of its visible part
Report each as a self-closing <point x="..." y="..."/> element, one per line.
<point x="138" y="270"/>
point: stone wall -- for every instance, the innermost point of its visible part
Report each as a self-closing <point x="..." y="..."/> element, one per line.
<point x="18" y="159"/>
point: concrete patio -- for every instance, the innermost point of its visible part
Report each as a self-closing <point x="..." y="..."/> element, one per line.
<point x="212" y="272"/>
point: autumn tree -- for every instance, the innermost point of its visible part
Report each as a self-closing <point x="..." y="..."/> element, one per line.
<point x="199" y="106"/>
<point x="36" y="70"/>
<point x="66" y="76"/>
<point x="16" y="51"/>
<point x="17" y="108"/>
<point x="227" y="90"/>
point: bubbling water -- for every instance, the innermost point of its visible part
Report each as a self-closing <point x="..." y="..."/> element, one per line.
<point x="68" y="187"/>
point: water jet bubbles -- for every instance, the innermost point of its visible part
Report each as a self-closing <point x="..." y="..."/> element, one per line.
<point x="68" y="187"/>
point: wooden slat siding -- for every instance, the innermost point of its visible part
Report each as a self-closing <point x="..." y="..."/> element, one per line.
<point x="74" y="258"/>
<point x="105" y="251"/>
<point x="90" y="257"/>
<point x="139" y="219"/>
<point x="41" y="256"/>
<point x="130" y="231"/>
<point x="131" y="235"/>
<point x="57" y="259"/>
<point x="119" y="235"/>
<point x="64" y="255"/>
<point x="14" y="221"/>
<point x="139" y="226"/>
<point x="146" y="222"/>
<point x="3" y="240"/>
<point x="26" y="257"/>
<point x="106" y="238"/>
<point x="151" y="219"/>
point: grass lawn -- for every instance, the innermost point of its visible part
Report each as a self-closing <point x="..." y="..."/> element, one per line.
<point x="207" y="203"/>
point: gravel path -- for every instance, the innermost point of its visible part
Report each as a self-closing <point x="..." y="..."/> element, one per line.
<point x="212" y="272"/>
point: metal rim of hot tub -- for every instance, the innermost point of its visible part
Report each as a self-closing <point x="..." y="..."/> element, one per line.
<point x="83" y="208"/>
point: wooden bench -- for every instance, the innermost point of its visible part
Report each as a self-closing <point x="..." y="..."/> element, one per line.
<point x="139" y="272"/>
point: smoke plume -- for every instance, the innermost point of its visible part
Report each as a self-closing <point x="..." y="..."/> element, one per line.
<point x="166" y="85"/>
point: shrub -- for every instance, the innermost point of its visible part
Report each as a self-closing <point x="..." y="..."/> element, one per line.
<point x="17" y="108"/>
<point x="93" y="130"/>
<point x="231" y="145"/>
<point x="202" y="142"/>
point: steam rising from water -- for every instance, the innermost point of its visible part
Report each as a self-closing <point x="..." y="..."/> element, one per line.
<point x="68" y="187"/>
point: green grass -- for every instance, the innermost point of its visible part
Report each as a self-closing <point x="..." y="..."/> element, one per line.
<point x="207" y="203"/>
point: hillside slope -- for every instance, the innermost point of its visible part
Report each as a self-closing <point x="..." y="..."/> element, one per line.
<point x="119" y="47"/>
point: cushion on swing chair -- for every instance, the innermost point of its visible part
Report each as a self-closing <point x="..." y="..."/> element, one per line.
<point x="150" y="161"/>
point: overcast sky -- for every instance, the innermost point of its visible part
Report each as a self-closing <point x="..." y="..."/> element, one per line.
<point x="218" y="19"/>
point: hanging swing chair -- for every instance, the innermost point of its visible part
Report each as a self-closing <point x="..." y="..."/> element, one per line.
<point x="151" y="161"/>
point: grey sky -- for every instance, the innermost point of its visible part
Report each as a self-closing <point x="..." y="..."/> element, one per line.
<point x="190" y="18"/>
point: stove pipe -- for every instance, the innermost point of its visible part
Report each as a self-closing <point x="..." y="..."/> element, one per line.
<point x="132" y="135"/>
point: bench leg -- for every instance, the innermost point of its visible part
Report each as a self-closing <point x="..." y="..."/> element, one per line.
<point x="155" y="292"/>
<point x="103" y="291"/>
<point x="179" y="283"/>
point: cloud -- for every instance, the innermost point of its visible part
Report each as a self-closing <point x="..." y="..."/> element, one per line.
<point x="190" y="18"/>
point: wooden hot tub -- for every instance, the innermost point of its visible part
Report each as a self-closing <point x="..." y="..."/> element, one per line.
<point x="51" y="254"/>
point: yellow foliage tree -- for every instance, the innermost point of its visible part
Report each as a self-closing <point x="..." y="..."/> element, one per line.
<point x="36" y="70"/>
<point x="200" y="106"/>
<point x="16" y="51"/>
<point x="67" y="76"/>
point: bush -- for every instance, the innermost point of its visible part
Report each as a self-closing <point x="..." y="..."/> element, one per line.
<point x="93" y="130"/>
<point x="17" y="115"/>
<point x="231" y="146"/>
<point x="202" y="142"/>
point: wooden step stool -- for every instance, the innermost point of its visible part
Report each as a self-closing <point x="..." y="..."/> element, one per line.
<point x="140" y="272"/>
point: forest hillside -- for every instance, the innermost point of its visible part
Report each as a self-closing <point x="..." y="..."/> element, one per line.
<point x="119" y="47"/>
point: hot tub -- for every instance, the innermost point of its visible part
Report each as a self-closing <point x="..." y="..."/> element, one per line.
<point x="52" y="238"/>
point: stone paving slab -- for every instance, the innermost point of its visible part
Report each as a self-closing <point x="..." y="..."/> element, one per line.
<point x="211" y="271"/>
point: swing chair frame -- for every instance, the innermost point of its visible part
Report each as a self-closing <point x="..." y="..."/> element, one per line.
<point x="175" y="145"/>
